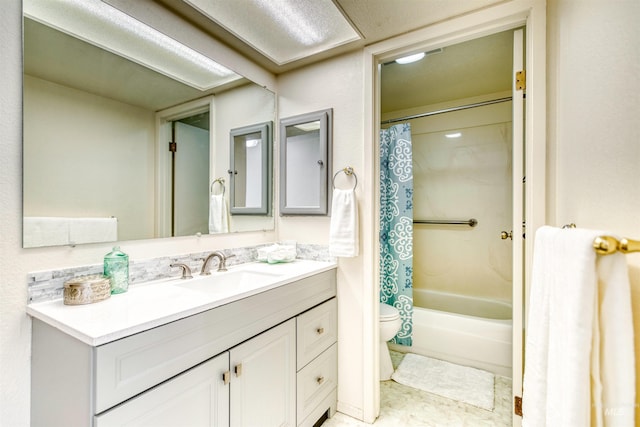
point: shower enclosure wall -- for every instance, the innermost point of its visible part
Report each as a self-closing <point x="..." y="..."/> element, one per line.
<point x="462" y="274"/>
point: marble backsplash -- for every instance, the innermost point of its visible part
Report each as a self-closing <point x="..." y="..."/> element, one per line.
<point x="49" y="285"/>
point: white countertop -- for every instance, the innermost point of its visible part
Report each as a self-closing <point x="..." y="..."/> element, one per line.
<point x="147" y="305"/>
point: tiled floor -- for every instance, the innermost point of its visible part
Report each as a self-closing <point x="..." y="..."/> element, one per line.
<point x="402" y="406"/>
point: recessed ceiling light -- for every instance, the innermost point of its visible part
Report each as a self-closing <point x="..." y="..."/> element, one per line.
<point x="282" y="30"/>
<point x="453" y="135"/>
<point x="411" y="58"/>
<point x="108" y="28"/>
<point x="308" y="127"/>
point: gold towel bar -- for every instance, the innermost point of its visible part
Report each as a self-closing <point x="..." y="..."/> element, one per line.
<point x="605" y="245"/>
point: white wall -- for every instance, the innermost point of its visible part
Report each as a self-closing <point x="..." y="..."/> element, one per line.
<point x="337" y="84"/>
<point x="593" y="124"/>
<point x="111" y="172"/>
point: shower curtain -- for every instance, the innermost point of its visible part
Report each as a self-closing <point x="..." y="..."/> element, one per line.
<point x="396" y="225"/>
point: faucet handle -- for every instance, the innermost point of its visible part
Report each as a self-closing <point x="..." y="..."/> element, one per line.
<point x="186" y="271"/>
<point x="222" y="265"/>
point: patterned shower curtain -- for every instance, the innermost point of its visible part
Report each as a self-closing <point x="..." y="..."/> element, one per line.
<point x="396" y="225"/>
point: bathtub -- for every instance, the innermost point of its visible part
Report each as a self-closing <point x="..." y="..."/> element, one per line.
<point x="459" y="329"/>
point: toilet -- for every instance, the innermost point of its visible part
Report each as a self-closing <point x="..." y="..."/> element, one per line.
<point x="390" y="324"/>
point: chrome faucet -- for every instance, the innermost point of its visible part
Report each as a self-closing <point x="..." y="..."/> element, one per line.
<point x="222" y="262"/>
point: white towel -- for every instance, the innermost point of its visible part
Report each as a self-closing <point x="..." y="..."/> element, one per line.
<point x="92" y="230"/>
<point x="54" y="231"/>
<point x="569" y="315"/>
<point x="218" y="214"/>
<point x="45" y="231"/>
<point x="343" y="232"/>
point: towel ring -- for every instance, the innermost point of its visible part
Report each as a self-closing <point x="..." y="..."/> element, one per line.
<point x="347" y="171"/>
<point x="219" y="181"/>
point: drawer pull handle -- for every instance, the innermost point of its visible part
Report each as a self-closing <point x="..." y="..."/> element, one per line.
<point x="238" y="370"/>
<point x="320" y="380"/>
<point x="226" y="377"/>
<point x="320" y="331"/>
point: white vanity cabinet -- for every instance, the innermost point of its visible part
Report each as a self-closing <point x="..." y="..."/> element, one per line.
<point x="196" y="398"/>
<point x="256" y="388"/>
<point x="263" y="379"/>
<point x="238" y="364"/>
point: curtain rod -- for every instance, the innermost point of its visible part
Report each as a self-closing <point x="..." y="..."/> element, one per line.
<point x="447" y="110"/>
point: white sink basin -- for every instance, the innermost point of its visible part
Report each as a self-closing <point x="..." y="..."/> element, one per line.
<point x="239" y="281"/>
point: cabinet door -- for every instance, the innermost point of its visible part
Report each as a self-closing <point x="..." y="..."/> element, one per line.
<point x="196" y="398"/>
<point x="263" y="383"/>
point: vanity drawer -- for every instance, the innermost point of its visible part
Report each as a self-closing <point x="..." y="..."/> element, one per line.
<point x="316" y="381"/>
<point x="317" y="330"/>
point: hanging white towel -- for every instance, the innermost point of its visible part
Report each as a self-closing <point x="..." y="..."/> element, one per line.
<point x="579" y="335"/>
<point x="218" y="214"/>
<point x="343" y="232"/>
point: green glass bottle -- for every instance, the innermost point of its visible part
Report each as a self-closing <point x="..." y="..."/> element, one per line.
<point x="116" y="267"/>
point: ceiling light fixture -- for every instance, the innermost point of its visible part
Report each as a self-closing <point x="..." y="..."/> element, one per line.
<point x="308" y="127"/>
<point x="282" y="30"/>
<point x="108" y="28"/>
<point x="454" y="135"/>
<point x="411" y="58"/>
<point x="292" y="19"/>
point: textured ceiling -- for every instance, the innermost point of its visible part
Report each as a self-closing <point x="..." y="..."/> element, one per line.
<point x="477" y="67"/>
<point x="375" y="20"/>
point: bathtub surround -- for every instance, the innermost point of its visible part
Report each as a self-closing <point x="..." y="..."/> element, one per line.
<point x="396" y="224"/>
<point x="456" y="382"/>
<point x="49" y="285"/>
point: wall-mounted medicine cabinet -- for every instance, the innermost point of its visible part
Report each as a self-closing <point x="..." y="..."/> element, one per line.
<point x="250" y="174"/>
<point x="305" y="162"/>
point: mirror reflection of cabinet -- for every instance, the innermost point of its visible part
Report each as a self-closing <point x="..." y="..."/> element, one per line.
<point x="250" y="172"/>
<point x="305" y="162"/>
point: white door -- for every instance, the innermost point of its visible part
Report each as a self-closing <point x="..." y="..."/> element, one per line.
<point x="518" y="218"/>
<point x="191" y="178"/>
<point x="263" y="379"/>
<point x="196" y="398"/>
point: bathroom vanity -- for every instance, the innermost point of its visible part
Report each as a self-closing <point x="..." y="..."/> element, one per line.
<point x="254" y="346"/>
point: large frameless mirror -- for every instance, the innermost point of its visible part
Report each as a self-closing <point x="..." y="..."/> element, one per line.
<point x="250" y="173"/>
<point x="305" y="162"/>
<point x="114" y="148"/>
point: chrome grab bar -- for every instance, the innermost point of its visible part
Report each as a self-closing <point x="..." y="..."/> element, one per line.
<point x="471" y="223"/>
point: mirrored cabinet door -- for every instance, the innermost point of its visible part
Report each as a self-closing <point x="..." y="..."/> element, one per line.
<point x="250" y="172"/>
<point x="305" y="157"/>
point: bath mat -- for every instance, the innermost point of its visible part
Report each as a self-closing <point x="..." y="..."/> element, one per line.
<point x="468" y="385"/>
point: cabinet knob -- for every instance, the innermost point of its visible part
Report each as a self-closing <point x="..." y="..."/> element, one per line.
<point x="238" y="370"/>
<point x="320" y="380"/>
<point x="226" y="377"/>
<point x="320" y="331"/>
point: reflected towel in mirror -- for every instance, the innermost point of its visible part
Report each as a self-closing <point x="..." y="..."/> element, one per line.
<point x="218" y="214"/>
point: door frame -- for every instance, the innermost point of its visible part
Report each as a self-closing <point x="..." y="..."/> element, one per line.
<point x="505" y="16"/>
<point x="163" y="158"/>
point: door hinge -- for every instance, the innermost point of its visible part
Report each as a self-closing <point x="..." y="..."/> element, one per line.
<point x="521" y="80"/>
<point x="517" y="405"/>
<point x="173" y="147"/>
